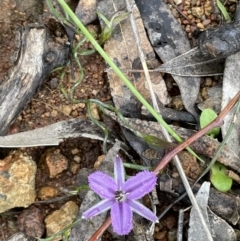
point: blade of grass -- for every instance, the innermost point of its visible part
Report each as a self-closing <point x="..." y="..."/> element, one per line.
<point x="223" y="11"/>
<point x="214" y="159"/>
<point x="132" y="89"/>
<point x="120" y="74"/>
<point x="165" y="133"/>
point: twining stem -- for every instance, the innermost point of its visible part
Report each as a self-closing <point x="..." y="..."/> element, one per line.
<point x="118" y="71"/>
<point x="168" y="157"/>
<point x="216" y="123"/>
<point x="101" y="230"/>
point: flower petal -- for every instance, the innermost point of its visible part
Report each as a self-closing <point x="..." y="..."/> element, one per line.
<point x="139" y="185"/>
<point x="143" y="211"/>
<point x="119" y="173"/>
<point x="98" y="208"/>
<point x="121" y="216"/>
<point x="102" y="184"/>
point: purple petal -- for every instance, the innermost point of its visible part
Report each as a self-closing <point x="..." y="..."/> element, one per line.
<point x="140" y="185"/>
<point x="143" y="211"/>
<point x="102" y="184"/>
<point x="98" y="208"/>
<point x="119" y="173"/>
<point x="121" y="216"/>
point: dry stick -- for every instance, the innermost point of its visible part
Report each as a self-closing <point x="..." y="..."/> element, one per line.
<point x="167" y="158"/>
<point x="101" y="230"/>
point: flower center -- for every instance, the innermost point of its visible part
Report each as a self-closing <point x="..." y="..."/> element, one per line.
<point x="120" y="196"/>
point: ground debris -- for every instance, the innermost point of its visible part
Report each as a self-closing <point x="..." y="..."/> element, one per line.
<point x="17" y="178"/>
<point x="61" y="218"/>
<point x="31" y="222"/>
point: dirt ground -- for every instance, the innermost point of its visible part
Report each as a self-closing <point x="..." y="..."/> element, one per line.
<point x="49" y="106"/>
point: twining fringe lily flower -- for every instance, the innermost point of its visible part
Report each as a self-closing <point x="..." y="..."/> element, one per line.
<point x="120" y="196"/>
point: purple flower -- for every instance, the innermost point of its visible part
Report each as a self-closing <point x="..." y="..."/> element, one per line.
<point x="120" y="196"/>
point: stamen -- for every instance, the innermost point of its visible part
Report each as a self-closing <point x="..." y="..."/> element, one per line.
<point x="120" y="196"/>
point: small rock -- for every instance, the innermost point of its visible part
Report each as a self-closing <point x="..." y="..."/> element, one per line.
<point x="30" y="222"/>
<point x="200" y="25"/>
<point x="177" y="102"/>
<point x="46" y="193"/>
<point x="185" y="22"/>
<point x="190" y="165"/>
<point x="66" y="109"/>
<point x="94" y="110"/>
<point x="190" y="16"/>
<point x="206" y="22"/>
<point x="77" y="158"/>
<point x="170" y="221"/>
<point x="74" y="151"/>
<point x="98" y="162"/>
<point x="86" y="11"/>
<point x="160" y="235"/>
<point x="197" y="12"/>
<point x="208" y="8"/>
<point x="95" y="92"/>
<point x="17" y="178"/>
<point x="188" y="29"/>
<point x="54" y="113"/>
<point x="18" y="237"/>
<point x="81" y="105"/>
<point x="55" y="162"/>
<point x="177" y="2"/>
<point x="94" y="67"/>
<point x="61" y="218"/>
<point x="212" y="97"/>
<point x="208" y="82"/>
<point x="74" y="167"/>
<point x="74" y="113"/>
<point x="53" y="83"/>
<point x="204" y="93"/>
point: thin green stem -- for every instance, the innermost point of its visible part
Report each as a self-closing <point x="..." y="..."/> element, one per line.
<point x="118" y="71"/>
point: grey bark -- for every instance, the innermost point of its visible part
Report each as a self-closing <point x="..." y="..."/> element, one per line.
<point x="36" y="56"/>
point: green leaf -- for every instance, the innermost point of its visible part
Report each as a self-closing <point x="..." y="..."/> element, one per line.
<point x="219" y="179"/>
<point x="116" y="18"/>
<point x="105" y="20"/>
<point x="136" y="167"/>
<point x="156" y="142"/>
<point x="206" y="117"/>
<point x="223" y="10"/>
<point x="119" y="17"/>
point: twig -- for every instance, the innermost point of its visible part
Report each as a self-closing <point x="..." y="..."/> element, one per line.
<point x="130" y="86"/>
<point x="209" y="165"/>
<point x="168" y="157"/>
<point x="216" y="123"/>
<point x="101" y="230"/>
